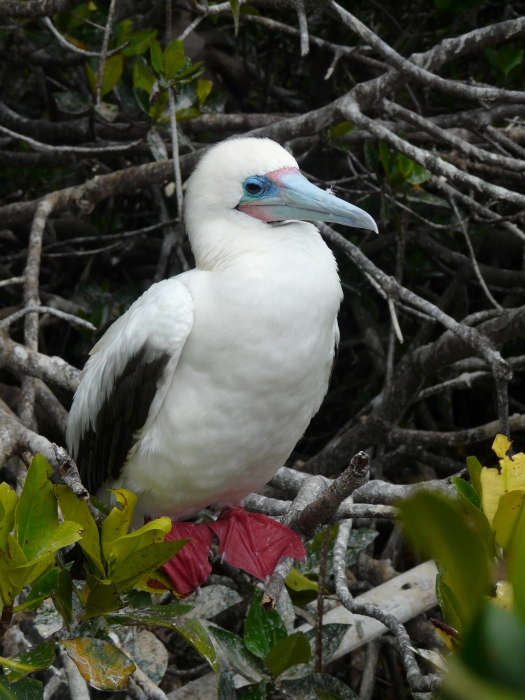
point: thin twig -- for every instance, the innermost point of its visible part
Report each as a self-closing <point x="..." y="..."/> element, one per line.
<point x="104" y="51"/>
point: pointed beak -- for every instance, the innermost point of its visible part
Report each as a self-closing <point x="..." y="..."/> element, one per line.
<point x="293" y="197"/>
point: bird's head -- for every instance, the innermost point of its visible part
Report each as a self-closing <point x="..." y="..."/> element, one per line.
<point x="249" y="183"/>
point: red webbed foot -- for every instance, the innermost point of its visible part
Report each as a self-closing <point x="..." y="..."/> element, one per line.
<point x="190" y="567"/>
<point x="254" y="542"/>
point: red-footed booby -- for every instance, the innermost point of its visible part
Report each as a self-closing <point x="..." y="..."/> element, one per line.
<point x="200" y="391"/>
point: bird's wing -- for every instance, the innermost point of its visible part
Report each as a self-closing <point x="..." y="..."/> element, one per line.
<point x="126" y="379"/>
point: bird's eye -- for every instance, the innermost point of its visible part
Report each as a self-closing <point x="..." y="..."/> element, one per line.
<point x="253" y="188"/>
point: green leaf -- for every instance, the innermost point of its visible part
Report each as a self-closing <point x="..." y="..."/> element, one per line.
<point x="164" y="615"/>
<point x="36" y="514"/>
<point x="332" y="636"/>
<point x="157" y="60"/>
<point x="63" y="597"/>
<point x="359" y="540"/>
<point x="449" y="604"/>
<point x="117" y="523"/>
<point x="100" y="663"/>
<point x="25" y="574"/>
<point x="41" y="590"/>
<point x="112" y="73"/>
<point x="474" y="470"/>
<point x="152" y="532"/>
<point x="440" y="529"/>
<point x="516" y="563"/>
<point x="462" y="684"/>
<point x="341" y="129"/>
<point x="196" y="635"/>
<point x="319" y="682"/>
<point x="466" y="491"/>
<point x="302" y="590"/>
<point x="24" y="689"/>
<point x="103" y="598"/>
<point x="257" y="691"/>
<point x="263" y="629"/>
<point x="495" y="648"/>
<point x="36" y="660"/>
<point x="236" y="11"/>
<point x="419" y="175"/>
<point x="140" y="42"/>
<point x="10" y="557"/>
<point x="8" y="501"/>
<point x="242" y="660"/>
<point x="507" y="515"/>
<point x="92" y="78"/>
<point x="325" y="695"/>
<point x="131" y="569"/>
<point x="142" y="79"/>
<point x="204" y="87"/>
<point x="226" y="688"/>
<point x="293" y="650"/>
<point x="78" y="511"/>
<point x="174" y="59"/>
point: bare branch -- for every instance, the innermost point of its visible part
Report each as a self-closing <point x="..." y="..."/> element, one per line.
<point x="33" y="8"/>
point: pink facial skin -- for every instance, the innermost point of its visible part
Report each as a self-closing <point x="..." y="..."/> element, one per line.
<point x="259" y="211"/>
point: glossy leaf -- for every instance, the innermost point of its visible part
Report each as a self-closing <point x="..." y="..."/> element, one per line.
<point x="506" y="516"/>
<point x="174" y="58"/>
<point x="120" y="549"/>
<point x="41" y="590"/>
<point x="11" y="556"/>
<point x="195" y="634"/>
<point x="36" y="514"/>
<point x="8" y="501"/>
<point x="130" y="570"/>
<point x="295" y="649"/>
<point x="24" y="689"/>
<point x="466" y="491"/>
<point x="164" y="615"/>
<point x="119" y="520"/>
<point x="257" y="691"/>
<point x="103" y="598"/>
<point x="474" y="470"/>
<point x="100" y="663"/>
<point x="441" y="530"/>
<point x="63" y="597"/>
<point x="78" y="511"/>
<point x="263" y="629"/>
<point x="239" y="658"/>
<point x="21" y="664"/>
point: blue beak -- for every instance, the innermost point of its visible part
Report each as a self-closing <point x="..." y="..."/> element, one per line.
<point x="287" y="195"/>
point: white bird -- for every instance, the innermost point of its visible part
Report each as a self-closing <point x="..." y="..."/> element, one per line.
<point x="200" y="391"/>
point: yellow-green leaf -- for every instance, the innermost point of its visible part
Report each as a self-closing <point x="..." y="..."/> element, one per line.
<point x="156" y="56"/>
<point x="142" y="78"/>
<point x="133" y="568"/>
<point x="36" y="514"/>
<point x="194" y="633"/>
<point x="100" y="663"/>
<point x="204" y="87"/>
<point x="152" y="532"/>
<point x="24" y="689"/>
<point x="293" y="650"/>
<point x="27" y="573"/>
<point x="78" y="511"/>
<point x="112" y="73"/>
<point x="155" y="582"/>
<point x="299" y="582"/>
<point x="118" y="521"/>
<point x="36" y="660"/>
<point x="474" y="470"/>
<point x="92" y="78"/>
<point x="236" y="10"/>
<point x="10" y="557"/>
<point x="506" y="516"/>
<point x="103" y="598"/>
<point x="8" y="501"/>
<point x="501" y="445"/>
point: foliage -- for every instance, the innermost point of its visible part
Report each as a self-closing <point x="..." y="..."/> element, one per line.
<point x="118" y="564"/>
<point x="478" y="542"/>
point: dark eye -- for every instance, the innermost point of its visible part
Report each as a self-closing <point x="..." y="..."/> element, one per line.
<point x="253" y="188"/>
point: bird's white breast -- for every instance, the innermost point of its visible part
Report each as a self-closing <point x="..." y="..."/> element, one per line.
<point x="252" y="373"/>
